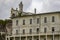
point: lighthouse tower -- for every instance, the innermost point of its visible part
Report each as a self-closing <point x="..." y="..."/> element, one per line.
<point x="20" y="7"/>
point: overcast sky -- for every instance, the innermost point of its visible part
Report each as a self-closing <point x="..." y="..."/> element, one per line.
<point x="29" y="5"/>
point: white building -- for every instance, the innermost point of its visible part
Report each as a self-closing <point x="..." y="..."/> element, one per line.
<point x="29" y="26"/>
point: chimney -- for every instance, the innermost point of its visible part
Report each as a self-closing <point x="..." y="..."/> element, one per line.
<point x="35" y="10"/>
<point x="16" y="8"/>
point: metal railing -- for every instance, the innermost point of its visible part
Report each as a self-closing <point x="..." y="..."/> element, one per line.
<point x="39" y="33"/>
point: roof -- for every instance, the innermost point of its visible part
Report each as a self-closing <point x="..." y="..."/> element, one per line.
<point x="39" y="14"/>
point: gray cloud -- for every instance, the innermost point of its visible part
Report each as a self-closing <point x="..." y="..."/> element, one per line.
<point x="5" y="6"/>
<point x="51" y="5"/>
<point x="47" y="5"/>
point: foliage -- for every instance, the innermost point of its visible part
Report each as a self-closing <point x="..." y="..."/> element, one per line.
<point x="4" y="22"/>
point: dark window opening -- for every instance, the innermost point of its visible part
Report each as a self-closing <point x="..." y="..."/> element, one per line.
<point x="23" y="22"/>
<point x="45" y="19"/>
<point x="53" y="19"/>
<point x="30" y="31"/>
<point x="37" y="30"/>
<point x="30" y="21"/>
<point x="45" y="30"/>
<point x="44" y="38"/>
<point x="37" y="39"/>
<point x="53" y="29"/>
<point x="37" y="20"/>
<point x="16" y="22"/>
<point x="16" y="31"/>
<point x="23" y="31"/>
<point x="13" y="15"/>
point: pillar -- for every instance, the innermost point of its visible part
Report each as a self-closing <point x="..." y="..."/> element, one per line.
<point x="20" y="37"/>
<point x="13" y="38"/>
<point x="53" y="36"/>
<point x="26" y="37"/>
<point x="8" y="38"/>
<point x="39" y="37"/>
<point x="32" y="38"/>
<point x="59" y="37"/>
<point x="46" y="37"/>
<point x="5" y="38"/>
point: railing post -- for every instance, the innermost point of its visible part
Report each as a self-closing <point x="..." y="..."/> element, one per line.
<point x="53" y="36"/>
<point x="14" y="38"/>
<point x="5" y="37"/>
<point x="32" y="37"/>
<point x="59" y="37"/>
<point x="46" y="36"/>
<point x="20" y="37"/>
<point x="26" y="37"/>
<point x="8" y="38"/>
<point x="39" y="37"/>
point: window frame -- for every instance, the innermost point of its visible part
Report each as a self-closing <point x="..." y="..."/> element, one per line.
<point x="38" y="20"/>
<point x="53" y="19"/>
<point x="16" y="22"/>
<point x="23" y="31"/>
<point x="45" y="19"/>
<point x="53" y="29"/>
<point x="30" y="21"/>
<point x="45" y="30"/>
<point x="23" y="22"/>
<point x="30" y="31"/>
<point x="37" y="30"/>
<point x="17" y="32"/>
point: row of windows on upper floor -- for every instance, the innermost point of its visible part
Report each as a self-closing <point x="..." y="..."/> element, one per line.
<point x="38" y="20"/>
<point x="37" y="30"/>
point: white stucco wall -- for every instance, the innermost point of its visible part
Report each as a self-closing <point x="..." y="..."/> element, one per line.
<point x="34" y="26"/>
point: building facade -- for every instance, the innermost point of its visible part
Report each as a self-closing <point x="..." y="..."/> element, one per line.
<point x="9" y="27"/>
<point x="32" y="26"/>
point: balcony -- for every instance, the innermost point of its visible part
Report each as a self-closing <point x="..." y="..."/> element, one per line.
<point x="37" y="34"/>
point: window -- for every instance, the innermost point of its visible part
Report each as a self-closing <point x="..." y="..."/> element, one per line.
<point x="23" y="22"/>
<point x="37" y="20"/>
<point x="16" y="31"/>
<point x="23" y="31"/>
<point x="13" y="15"/>
<point x="45" y="30"/>
<point x="37" y="39"/>
<point x="30" y="31"/>
<point x="37" y="30"/>
<point x="52" y="38"/>
<point x="44" y="38"/>
<point x="16" y="22"/>
<point x="53" y="19"/>
<point x="53" y="29"/>
<point x="30" y="39"/>
<point x="7" y="39"/>
<point x="30" y="21"/>
<point x="45" y="19"/>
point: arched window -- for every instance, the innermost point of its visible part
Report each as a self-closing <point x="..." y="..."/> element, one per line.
<point x="45" y="30"/>
<point x="53" y="29"/>
<point x="23" y="31"/>
<point x="13" y="15"/>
